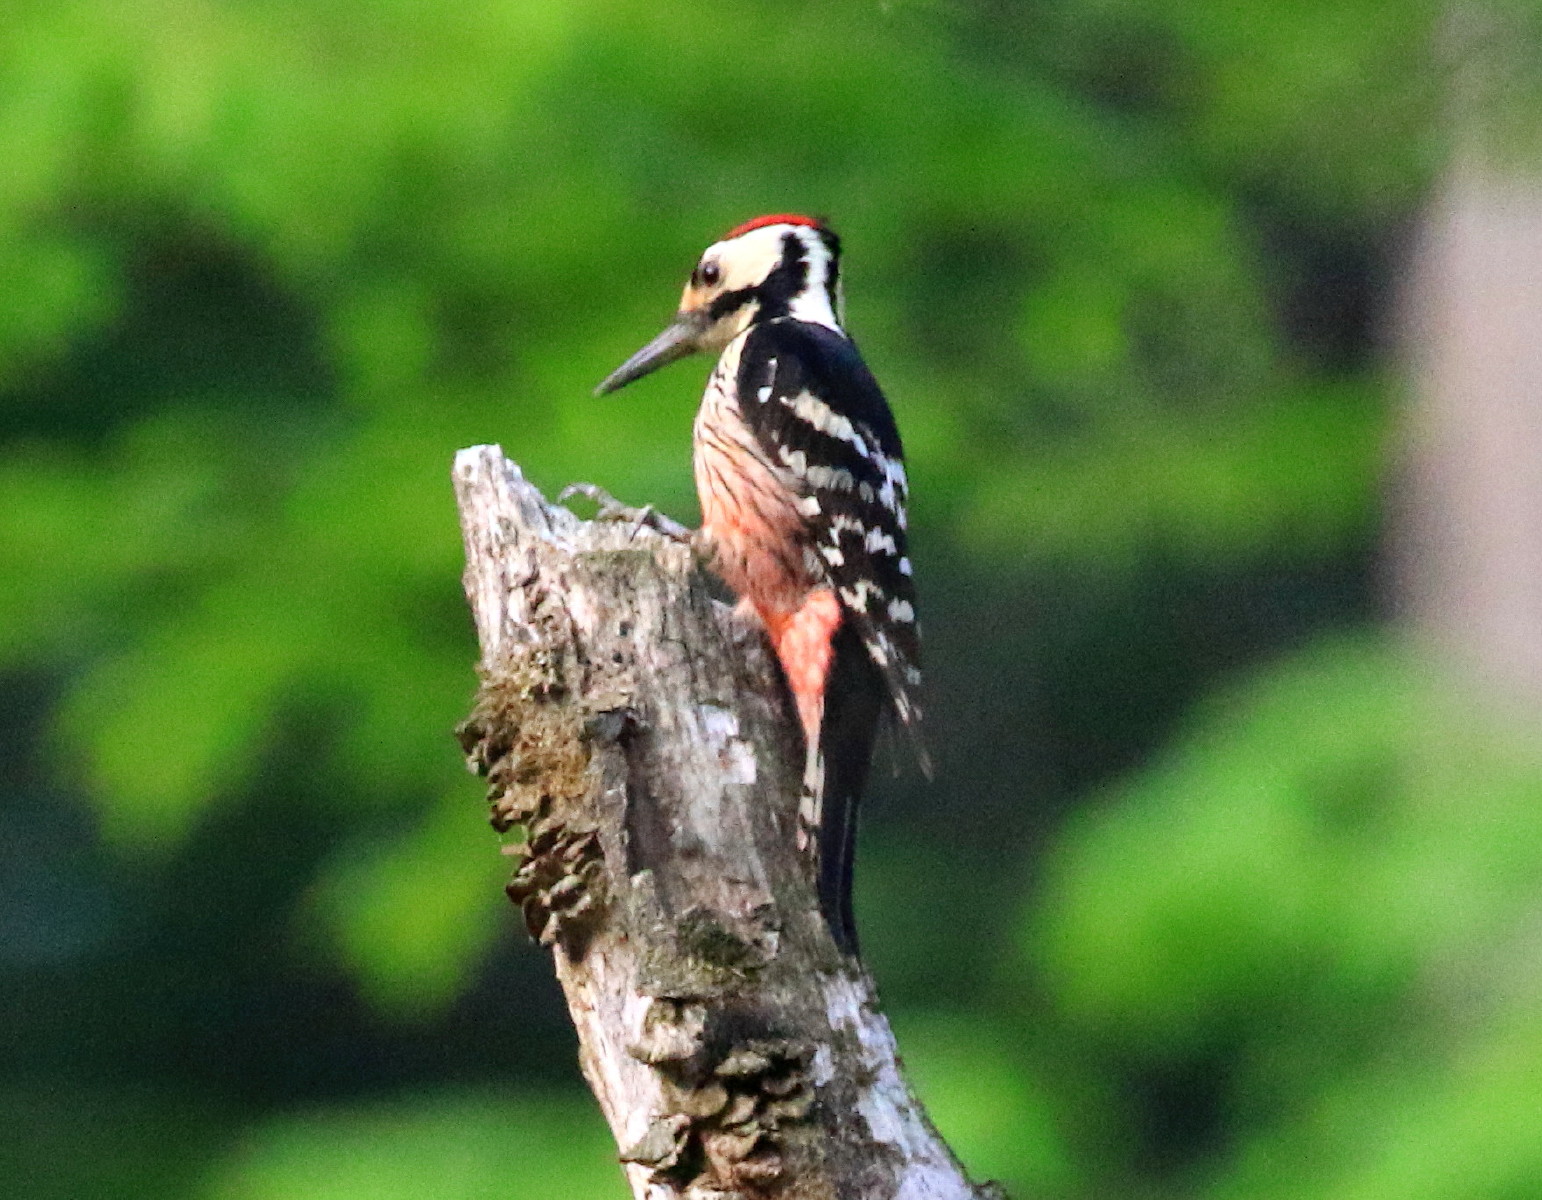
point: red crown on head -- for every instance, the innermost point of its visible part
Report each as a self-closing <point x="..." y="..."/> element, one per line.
<point x="773" y="219"/>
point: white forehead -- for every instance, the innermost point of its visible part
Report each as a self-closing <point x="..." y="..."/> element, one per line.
<point x="752" y="256"/>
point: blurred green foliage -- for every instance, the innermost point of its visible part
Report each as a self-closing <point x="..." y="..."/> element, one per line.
<point x="457" y="1146"/>
<point x="1328" y="886"/>
<point x="1160" y="929"/>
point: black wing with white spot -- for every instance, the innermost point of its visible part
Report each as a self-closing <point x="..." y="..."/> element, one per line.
<point x="819" y="415"/>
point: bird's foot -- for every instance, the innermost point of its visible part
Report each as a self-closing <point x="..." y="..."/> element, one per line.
<point x="611" y="509"/>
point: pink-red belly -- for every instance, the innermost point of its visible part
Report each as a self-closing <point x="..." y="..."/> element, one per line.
<point x="756" y="535"/>
<point x="753" y="526"/>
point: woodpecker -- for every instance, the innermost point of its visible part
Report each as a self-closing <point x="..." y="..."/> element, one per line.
<point x="801" y="478"/>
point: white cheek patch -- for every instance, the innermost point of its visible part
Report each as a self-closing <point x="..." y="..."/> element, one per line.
<point x="748" y="259"/>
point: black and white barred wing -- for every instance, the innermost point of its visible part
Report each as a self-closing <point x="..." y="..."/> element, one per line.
<point x="820" y="416"/>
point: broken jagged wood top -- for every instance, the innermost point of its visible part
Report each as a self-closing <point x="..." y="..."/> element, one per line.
<point x="636" y="730"/>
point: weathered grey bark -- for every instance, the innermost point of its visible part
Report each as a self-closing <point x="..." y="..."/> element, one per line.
<point x="632" y="726"/>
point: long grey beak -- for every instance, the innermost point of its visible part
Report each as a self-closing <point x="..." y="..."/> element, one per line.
<point x="677" y="340"/>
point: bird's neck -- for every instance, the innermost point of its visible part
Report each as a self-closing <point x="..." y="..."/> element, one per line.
<point x="812" y="304"/>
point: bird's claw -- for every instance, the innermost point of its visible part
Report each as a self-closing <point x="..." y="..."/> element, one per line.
<point x="611" y="509"/>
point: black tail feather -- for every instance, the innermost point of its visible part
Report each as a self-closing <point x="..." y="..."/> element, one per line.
<point x="855" y="698"/>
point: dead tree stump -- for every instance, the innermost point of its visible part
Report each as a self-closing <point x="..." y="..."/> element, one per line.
<point x="636" y="731"/>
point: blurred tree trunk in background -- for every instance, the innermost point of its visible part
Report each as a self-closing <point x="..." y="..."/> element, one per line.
<point x="1471" y="525"/>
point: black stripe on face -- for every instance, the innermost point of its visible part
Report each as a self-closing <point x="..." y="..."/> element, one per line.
<point x="786" y="280"/>
<point x="729" y="303"/>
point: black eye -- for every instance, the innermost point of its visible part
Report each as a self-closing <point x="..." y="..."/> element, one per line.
<point x="710" y="274"/>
